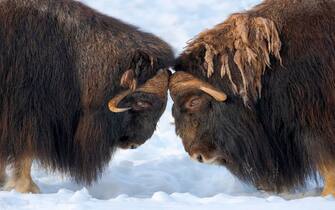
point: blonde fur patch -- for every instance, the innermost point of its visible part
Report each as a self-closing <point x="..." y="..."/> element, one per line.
<point x="329" y="180"/>
<point x="251" y="41"/>
<point x="21" y="180"/>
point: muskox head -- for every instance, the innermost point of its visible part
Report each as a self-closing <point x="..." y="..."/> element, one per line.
<point x="215" y="91"/>
<point x="193" y="101"/>
<point x="141" y="107"/>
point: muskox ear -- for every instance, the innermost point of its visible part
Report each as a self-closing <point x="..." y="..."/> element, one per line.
<point x="242" y="43"/>
<point x="128" y="80"/>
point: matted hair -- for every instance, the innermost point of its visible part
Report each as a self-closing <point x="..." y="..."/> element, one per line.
<point x="248" y="41"/>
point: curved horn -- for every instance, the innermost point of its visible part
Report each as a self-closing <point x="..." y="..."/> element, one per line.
<point x="181" y="81"/>
<point x="114" y="102"/>
<point x="157" y="85"/>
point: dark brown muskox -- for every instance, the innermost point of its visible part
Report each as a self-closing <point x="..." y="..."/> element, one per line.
<point x="257" y="94"/>
<point x="74" y="86"/>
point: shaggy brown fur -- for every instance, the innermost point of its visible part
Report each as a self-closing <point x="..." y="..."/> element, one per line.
<point x="276" y="65"/>
<point x="250" y="41"/>
<point x="60" y="64"/>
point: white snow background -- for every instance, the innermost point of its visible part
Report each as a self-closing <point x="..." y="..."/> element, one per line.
<point x="159" y="175"/>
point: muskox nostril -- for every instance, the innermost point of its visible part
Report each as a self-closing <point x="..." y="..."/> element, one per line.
<point x="200" y="158"/>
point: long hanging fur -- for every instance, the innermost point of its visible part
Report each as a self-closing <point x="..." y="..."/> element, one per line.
<point x="60" y="64"/>
<point x="276" y="64"/>
<point x="251" y="41"/>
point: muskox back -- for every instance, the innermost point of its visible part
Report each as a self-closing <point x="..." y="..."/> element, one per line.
<point x="60" y="63"/>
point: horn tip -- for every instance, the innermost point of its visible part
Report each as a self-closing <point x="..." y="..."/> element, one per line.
<point x="113" y="108"/>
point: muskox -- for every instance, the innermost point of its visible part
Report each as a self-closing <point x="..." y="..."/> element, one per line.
<point x="74" y="86"/>
<point x="256" y="94"/>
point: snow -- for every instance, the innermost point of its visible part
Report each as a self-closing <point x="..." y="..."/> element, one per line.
<point x="159" y="174"/>
<point x="66" y="200"/>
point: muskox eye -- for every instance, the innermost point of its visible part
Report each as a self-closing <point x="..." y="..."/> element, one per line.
<point x="141" y="105"/>
<point x="193" y="103"/>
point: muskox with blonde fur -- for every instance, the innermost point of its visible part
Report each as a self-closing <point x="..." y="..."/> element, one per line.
<point x="256" y="94"/>
<point x="74" y="86"/>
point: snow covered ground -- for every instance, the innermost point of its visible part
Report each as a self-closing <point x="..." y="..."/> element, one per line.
<point x="159" y="175"/>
